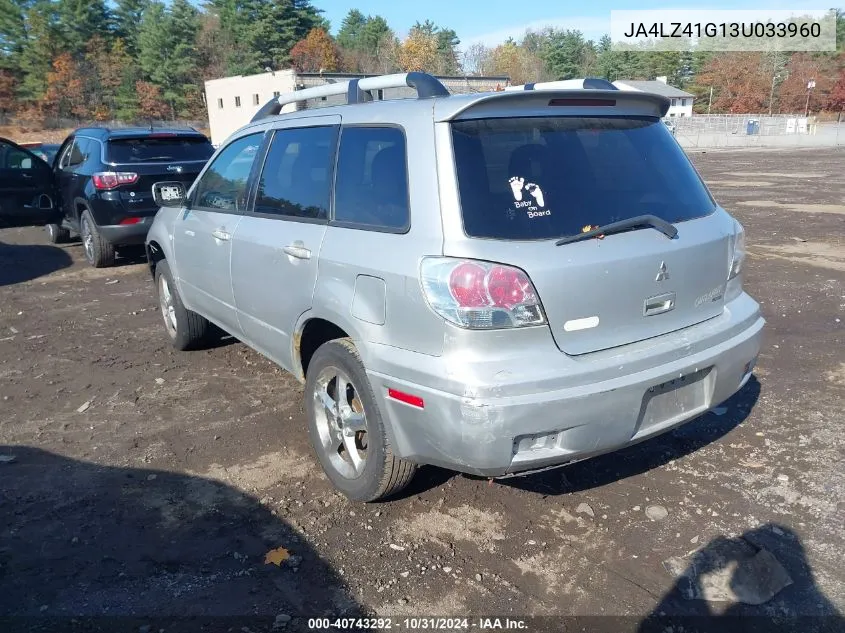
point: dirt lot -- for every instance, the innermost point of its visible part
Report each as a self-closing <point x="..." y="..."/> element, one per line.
<point x="147" y="481"/>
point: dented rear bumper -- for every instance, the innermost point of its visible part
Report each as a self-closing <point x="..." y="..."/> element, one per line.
<point x="514" y="404"/>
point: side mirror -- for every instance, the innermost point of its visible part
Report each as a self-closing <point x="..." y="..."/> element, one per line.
<point x="169" y="194"/>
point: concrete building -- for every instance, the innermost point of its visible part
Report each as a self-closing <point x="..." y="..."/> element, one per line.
<point x="232" y="101"/>
<point x="680" y="102"/>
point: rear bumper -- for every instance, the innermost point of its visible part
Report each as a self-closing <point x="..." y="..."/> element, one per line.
<point x="126" y="234"/>
<point x="534" y="409"/>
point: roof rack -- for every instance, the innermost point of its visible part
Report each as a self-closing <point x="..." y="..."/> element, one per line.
<point x="357" y="91"/>
<point x="588" y="83"/>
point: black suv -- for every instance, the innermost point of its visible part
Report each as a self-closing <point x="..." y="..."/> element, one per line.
<point x="105" y="179"/>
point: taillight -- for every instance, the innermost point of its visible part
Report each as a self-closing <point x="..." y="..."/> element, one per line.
<point x="736" y="262"/>
<point x="112" y="179"/>
<point x="133" y="220"/>
<point x="737" y="251"/>
<point x="480" y="295"/>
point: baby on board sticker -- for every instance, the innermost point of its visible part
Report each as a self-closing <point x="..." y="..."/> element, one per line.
<point x="534" y="202"/>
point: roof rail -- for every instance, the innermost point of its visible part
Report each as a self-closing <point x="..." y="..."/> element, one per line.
<point x="357" y="91"/>
<point x="588" y="83"/>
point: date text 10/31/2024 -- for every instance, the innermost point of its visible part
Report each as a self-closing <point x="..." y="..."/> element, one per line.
<point x="415" y="624"/>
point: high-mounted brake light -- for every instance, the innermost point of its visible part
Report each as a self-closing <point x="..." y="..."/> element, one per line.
<point x="105" y="180"/>
<point x="577" y="103"/>
<point x="480" y="295"/>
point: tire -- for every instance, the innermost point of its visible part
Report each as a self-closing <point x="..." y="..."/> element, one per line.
<point x="186" y="329"/>
<point x="377" y="473"/>
<point x="57" y="234"/>
<point x="98" y="252"/>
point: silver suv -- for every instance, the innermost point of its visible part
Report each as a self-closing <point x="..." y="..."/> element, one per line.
<point x="494" y="283"/>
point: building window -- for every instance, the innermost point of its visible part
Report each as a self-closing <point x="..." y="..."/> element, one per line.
<point x="674" y="101"/>
<point x="254" y="99"/>
<point x="220" y="104"/>
<point x="237" y="102"/>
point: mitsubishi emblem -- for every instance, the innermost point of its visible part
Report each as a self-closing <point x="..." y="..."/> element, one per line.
<point x="662" y="272"/>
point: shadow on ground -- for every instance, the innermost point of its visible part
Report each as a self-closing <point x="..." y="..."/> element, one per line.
<point x="81" y="540"/>
<point x="760" y="582"/>
<point x="19" y="263"/>
<point x="650" y="454"/>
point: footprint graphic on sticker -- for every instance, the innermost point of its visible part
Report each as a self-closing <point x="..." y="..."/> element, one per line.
<point x="516" y="187"/>
<point x="536" y="193"/>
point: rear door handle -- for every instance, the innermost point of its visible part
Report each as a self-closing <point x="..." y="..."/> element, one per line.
<point x="300" y="252"/>
<point x="220" y="234"/>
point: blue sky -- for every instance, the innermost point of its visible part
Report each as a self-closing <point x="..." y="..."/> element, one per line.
<point x="493" y="21"/>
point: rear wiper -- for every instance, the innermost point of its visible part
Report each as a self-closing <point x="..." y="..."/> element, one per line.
<point x="624" y="225"/>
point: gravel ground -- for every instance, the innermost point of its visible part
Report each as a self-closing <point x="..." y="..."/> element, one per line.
<point x="151" y="482"/>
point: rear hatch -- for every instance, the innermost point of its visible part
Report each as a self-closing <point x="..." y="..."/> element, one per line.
<point x="526" y="182"/>
<point x="155" y="157"/>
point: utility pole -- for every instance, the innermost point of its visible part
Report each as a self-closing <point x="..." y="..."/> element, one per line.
<point x="810" y="85"/>
<point x="710" y="102"/>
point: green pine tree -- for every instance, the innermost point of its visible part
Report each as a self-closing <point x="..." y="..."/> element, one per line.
<point x="78" y="21"/>
<point x="127" y="21"/>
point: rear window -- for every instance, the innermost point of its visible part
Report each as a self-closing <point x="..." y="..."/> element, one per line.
<point x="541" y="178"/>
<point x="155" y="150"/>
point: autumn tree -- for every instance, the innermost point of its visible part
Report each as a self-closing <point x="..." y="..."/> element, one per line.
<point x="836" y="98"/>
<point x="106" y="67"/>
<point x="150" y="103"/>
<point x="65" y="95"/>
<point x="801" y="69"/>
<point x="739" y="81"/>
<point x="418" y="52"/>
<point x="316" y="53"/>
<point x="8" y="86"/>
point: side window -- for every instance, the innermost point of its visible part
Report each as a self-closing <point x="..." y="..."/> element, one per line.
<point x="66" y="155"/>
<point x="371" y="188"/>
<point x="296" y="179"/>
<point x="13" y="158"/>
<point x="223" y="186"/>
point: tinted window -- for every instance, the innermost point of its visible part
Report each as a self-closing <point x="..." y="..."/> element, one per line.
<point x="296" y="180"/>
<point x="75" y="154"/>
<point x="156" y="150"/>
<point x="14" y="158"/>
<point x="224" y="184"/>
<point x="372" y="178"/>
<point x="539" y="178"/>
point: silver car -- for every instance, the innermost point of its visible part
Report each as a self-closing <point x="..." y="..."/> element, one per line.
<point x="494" y="283"/>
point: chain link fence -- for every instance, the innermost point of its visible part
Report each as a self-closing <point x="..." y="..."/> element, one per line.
<point x="753" y="130"/>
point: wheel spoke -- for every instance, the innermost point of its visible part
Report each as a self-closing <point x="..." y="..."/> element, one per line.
<point x="342" y="387"/>
<point x="328" y="404"/>
<point x="352" y="451"/>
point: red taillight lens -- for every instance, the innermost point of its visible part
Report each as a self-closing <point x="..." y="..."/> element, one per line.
<point x="467" y="285"/>
<point x="480" y="295"/>
<point x="130" y="221"/>
<point x="507" y="286"/>
<point x="112" y="179"/>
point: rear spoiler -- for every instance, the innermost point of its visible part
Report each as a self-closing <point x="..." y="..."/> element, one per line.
<point x="538" y="102"/>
